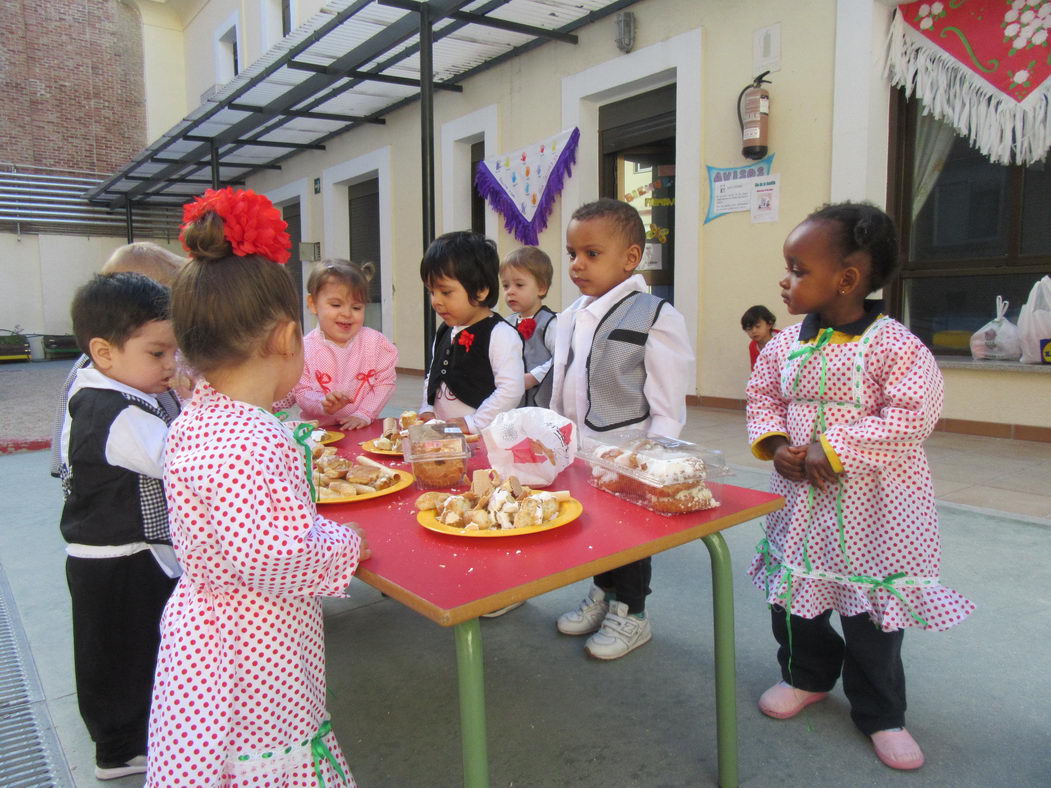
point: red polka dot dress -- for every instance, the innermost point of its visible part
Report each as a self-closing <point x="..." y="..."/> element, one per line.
<point x="239" y="698"/>
<point x="871" y="544"/>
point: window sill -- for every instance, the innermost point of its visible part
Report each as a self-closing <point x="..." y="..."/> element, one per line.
<point x="963" y="362"/>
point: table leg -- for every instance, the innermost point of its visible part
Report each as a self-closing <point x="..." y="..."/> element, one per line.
<point x="470" y="672"/>
<point x="725" y="665"/>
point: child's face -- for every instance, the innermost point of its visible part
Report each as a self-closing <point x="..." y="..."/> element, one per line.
<point x="452" y="303"/>
<point x="522" y="292"/>
<point x="340" y="313"/>
<point x="146" y="361"/>
<point x="600" y="257"/>
<point x="815" y="274"/>
<point x="760" y="331"/>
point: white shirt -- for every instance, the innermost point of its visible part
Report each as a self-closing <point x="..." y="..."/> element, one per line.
<point x="669" y="361"/>
<point x="505" y="357"/>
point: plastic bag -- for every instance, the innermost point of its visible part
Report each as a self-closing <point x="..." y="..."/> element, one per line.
<point x="1034" y="324"/>
<point x="997" y="339"/>
<point x="533" y="444"/>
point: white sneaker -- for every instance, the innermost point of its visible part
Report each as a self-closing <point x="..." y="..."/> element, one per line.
<point x="587" y="617"/>
<point x="136" y="765"/>
<point x="620" y="634"/>
<point x="501" y="611"/>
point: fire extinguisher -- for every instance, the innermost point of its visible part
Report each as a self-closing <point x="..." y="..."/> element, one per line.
<point x="753" y="117"/>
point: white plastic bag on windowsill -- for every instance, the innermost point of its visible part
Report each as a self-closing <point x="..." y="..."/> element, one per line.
<point x="1034" y="324"/>
<point x="997" y="339"/>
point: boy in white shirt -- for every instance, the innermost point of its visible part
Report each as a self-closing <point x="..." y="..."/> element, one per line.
<point x="622" y="359"/>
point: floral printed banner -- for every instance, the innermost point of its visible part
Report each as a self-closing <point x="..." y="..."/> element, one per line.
<point x="522" y="186"/>
<point x="981" y="65"/>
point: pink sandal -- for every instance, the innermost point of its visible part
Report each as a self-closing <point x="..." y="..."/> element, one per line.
<point x="783" y="701"/>
<point x="897" y="749"/>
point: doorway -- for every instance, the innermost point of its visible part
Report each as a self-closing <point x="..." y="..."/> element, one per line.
<point x="364" y="202"/>
<point x="290" y="213"/>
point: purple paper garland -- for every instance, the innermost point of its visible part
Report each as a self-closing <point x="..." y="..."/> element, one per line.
<point x="526" y="231"/>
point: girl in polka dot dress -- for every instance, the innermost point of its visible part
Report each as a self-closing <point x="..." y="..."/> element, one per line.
<point x="239" y="697"/>
<point x="842" y="403"/>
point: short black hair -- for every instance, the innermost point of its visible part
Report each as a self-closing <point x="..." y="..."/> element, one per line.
<point x="469" y="258"/>
<point x="114" y="306"/>
<point x="862" y="227"/>
<point x="623" y="216"/>
<point x="756" y="313"/>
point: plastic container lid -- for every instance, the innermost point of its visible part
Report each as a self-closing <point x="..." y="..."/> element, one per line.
<point x="653" y="460"/>
<point x="435" y="442"/>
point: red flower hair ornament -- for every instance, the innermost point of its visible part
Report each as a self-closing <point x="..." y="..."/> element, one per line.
<point x="251" y="223"/>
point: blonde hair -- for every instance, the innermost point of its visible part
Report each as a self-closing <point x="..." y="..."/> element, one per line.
<point x="224" y="306"/>
<point x="533" y="260"/>
<point x="147" y="259"/>
<point x="354" y="276"/>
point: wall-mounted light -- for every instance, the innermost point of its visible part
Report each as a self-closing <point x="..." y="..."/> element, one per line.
<point x="625" y="31"/>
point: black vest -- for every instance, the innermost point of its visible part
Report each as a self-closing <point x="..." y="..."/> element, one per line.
<point x="468" y="374"/>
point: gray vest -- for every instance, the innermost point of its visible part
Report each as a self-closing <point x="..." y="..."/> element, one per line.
<point x="616" y="369"/>
<point x="535" y="353"/>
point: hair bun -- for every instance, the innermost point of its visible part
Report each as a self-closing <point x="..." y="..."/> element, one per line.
<point x="204" y="239"/>
<point x="368" y="270"/>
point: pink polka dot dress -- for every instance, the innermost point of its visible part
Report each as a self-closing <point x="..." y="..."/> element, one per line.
<point x="871" y="544"/>
<point x="239" y="698"/>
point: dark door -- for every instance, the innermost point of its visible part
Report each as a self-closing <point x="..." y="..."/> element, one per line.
<point x="364" y="200"/>
<point x="294" y="266"/>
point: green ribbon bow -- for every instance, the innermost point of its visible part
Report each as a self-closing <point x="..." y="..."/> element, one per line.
<point x="321" y="753"/>
<point x="887" y="584"/>
<point x="301" y="435"/>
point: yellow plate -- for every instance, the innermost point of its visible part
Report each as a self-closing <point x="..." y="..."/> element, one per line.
<point x="568" y="511"/>
<point x="331" y="436"/>
<point x="370" y="446"/>
<point x="404" y="480"/>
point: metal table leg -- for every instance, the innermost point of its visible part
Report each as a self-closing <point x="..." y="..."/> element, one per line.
<point x="471" y="675"/>
<point x="725" y="660"/>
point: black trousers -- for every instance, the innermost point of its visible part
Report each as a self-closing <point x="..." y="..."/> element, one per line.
<point x="117" y="605"/>
<point x="868" y="658"/>
<point x="630" y="583"/>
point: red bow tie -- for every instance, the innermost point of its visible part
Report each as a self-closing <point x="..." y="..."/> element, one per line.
<point x="466" y="338"/>
<point x="526" y="327"/>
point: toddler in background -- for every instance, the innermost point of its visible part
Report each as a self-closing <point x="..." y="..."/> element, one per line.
<point x="144" y="258"/>
<point x="476" y="367"/>
<point x="525" y="276"/>
<point x="758" y="323"/>
<point x="119" y="563"/>
<point x="349" y="368"/>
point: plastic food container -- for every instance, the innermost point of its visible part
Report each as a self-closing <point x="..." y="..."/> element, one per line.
<point x="438" y="453"/>
<point x="664" y="475"/>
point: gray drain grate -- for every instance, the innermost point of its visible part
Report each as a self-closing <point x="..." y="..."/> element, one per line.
<point x="25" y="755"/>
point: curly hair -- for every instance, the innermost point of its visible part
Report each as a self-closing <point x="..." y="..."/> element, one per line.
<point x="862" y="227"/>
<point x="622" y="216"/>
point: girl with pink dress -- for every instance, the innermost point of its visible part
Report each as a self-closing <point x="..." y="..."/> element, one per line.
<point x="842" y="403"/>
<point x="239" y="697"/>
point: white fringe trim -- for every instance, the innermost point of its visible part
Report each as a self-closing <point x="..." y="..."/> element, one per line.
<point x="994" y="122"/>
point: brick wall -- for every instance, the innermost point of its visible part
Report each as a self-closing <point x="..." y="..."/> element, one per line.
<point x="71" y="84"/>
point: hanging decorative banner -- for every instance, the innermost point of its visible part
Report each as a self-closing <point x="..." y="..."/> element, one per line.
<point x="522" y="186"/>
<point x="730" y="188"/>
<point x="983" y="67"/>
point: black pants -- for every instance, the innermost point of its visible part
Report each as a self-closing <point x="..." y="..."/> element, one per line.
<point x="630" y="583"/>
<point x="117" y="605"/>
<point x="870" y="661"/>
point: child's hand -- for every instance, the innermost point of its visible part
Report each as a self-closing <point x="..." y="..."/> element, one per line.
<point x="334" y="401"/>
<point x="530" y="381"/>
<point x="363" y="551"/>
<point x="818" y="469"/>
<point x="354" y="423"/>
<point x="789" y="460"/>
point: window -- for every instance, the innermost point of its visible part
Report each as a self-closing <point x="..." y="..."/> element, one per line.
<point x="477" y="200"/>
<point x="970" y="230"/>
<point x="227" y="66"/>
<point x="286" y="17"/>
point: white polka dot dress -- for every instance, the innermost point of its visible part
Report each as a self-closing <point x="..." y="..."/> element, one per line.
<point x="239" y="697"/>
<point x="880" y="396"/>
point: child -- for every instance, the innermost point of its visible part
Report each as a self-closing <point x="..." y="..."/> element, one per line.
<point x="111" y="449"/>
<point x="842" y="403"/>
<point x="525" y="276"/>
<point x="758" y="323"/>
<point x="622" y="358"/>
<point x="240" y="692"/>
<point x="476" y="364"/>
<point x="348" y="375"/>
<point x="161" y="266"/>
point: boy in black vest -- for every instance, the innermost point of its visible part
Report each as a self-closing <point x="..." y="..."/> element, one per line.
<point x="525" y="276"/>
<point x="622" y="359"/>
<point x="119" y="563"/>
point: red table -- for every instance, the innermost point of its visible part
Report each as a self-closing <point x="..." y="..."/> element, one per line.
<point x="452" y="579"/>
